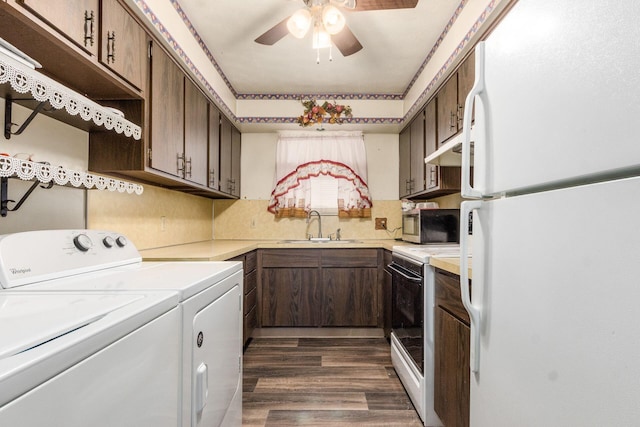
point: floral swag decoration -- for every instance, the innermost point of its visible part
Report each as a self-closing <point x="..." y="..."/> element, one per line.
<point x="316" y="114"/>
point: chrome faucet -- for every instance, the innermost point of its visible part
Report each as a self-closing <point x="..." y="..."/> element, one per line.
<point x="319" y="221"/>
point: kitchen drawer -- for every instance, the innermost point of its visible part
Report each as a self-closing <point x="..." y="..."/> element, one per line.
<point x="250" y="262"/>
<point x="290" y="258"/>
<point x="250" y="323"/>
<point x="448" y="295"/>
<point x="250" y="301"/>
<point x="350" y="257"/>
<point x="250" y="281"/>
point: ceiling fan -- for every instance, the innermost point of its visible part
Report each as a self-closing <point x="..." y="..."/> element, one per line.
<point x="328" y="23"/>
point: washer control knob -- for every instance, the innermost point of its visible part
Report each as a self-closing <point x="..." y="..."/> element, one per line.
<point x="121" y="241"/>
<point x="108" y="242"/>
<point x="82" y="242"/>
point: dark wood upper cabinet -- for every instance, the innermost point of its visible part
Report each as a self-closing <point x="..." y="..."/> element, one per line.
<point x="167" y="118"/>
<point x="432" y="176"/>
<point x="448" y="110"/>
<point x="417" y="154"/>
<point x="466" y="77"/>
<point x="76" y="19"/>
<point x="123" y="44"/>
<point x="214" y="147"/>
<point x="236" y="147"/>
<point x="451" y="98"/>
<point x="404" y="187"/>
<point x="229" y="158"/>
<point x="412" y="152"/>
<point x="195" y="134"/>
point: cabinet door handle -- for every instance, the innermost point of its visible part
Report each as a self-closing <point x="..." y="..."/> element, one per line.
<point x="188" y="168"/>
<point x="89" y="19"/>
<point x="452" y="121"/>
<point x="180" y="164"/>
<point x="460" y="115"/>
<point x="212" y="178"/>
<point x="111" y="47"/>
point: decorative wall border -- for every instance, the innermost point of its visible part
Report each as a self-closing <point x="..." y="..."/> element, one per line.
<point x="294" y="120"/>
<point x="148" y="12"/>
<point x="465" y="40"/>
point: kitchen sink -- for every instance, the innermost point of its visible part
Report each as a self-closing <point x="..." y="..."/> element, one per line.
<point x="309" y="242"/>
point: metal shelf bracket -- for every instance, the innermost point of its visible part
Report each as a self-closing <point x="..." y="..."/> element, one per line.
<point x="4" y="195"/>
<point x="8" y="123"/>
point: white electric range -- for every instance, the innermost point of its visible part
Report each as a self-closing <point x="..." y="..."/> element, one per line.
<point x="412" y="336"/>
<point x="205" y="335"/>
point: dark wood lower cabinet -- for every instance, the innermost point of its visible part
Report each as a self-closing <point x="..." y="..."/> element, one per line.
<point x="350" y="297"/>
<point x="452" y="346"/>
<point x="327" y="287"/>
<point x="290" y="297"/>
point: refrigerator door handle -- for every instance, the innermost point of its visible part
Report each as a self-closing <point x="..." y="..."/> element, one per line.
<point x="474" y="312"/>
<point x="467" y="190"/>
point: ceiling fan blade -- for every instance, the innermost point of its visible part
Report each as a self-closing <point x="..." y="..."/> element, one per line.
<point x="274" y="34"/>
<point x="346" y="42"/>
<point x="384" y="4"/>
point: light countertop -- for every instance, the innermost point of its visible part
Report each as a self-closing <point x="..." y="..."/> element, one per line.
<point x="452" y="265"/>
<point x="220" y="250"/>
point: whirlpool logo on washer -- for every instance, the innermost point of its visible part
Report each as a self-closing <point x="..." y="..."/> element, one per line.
<point x="19" y="271"/>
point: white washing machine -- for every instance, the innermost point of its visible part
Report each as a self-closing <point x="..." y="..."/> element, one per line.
<point x="210" y="307"/>
<point x="77" y="359"/>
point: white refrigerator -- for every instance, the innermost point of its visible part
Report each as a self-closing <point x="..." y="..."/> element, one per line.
<point x="555" y="334"/>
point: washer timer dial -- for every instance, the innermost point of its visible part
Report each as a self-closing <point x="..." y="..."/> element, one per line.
<point x="82" y="242"/>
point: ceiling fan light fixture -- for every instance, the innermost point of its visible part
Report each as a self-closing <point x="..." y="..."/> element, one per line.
<point x="299" y="23"/>
<point x="332" y="19"/>
<point x="321" y="38"/>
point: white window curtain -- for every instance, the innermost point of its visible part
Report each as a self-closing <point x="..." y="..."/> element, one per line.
<point x="311" y="165"/>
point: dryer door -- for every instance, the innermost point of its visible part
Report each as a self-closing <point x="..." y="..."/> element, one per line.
<point x="216" y="372"/>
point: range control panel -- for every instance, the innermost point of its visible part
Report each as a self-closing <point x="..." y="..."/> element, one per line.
<point x="35" y="256"/>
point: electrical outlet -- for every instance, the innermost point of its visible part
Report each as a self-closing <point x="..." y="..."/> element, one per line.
<point x="381" y="223"/>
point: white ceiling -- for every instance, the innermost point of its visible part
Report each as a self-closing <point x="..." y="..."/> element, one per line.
<point x="396" y="43"/>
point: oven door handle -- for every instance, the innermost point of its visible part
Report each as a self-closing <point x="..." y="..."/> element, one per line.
<point x="397" y="269"/>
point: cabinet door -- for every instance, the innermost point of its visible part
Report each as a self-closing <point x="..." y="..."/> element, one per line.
<point x="431" y="145"/>
<point x="76" y="19"/>
<point x="167" y="119"/>
<point x="451" y="376"/>
<point x="350" y="297"/>
<point x="195" y="134"/>
<point x="214" y="148"/>
<point x="466" y="76"/>
<point x="417" y="154"/>
<point x="225" y="155"/>
<point x="404" y="187"/>
<point x="123" y="45"/>
<point x="387" y="293"/>
<point x="291" y="297"/>
<point x="236" y="148"/>
<point x="447" y="110"/>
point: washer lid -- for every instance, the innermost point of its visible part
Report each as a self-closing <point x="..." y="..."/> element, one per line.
<point x="37" y="319"/>
<point x="45" y="333"/>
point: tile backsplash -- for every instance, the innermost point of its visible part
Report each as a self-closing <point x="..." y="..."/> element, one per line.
<point x="157" y="218"/>
<point x="249" y="219"/>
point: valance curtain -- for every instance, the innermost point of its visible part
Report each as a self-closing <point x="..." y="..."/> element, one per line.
<point x="304" y="160"/>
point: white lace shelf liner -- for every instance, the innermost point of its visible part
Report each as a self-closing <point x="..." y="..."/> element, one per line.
<point x="29" y="171"/>
<point x="24" y="79"/>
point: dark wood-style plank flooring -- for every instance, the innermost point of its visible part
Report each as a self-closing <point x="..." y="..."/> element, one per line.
<point x="323" y="382"/>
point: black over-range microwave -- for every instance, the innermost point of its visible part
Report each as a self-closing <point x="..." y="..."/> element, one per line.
<point x="431" y="226"/>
